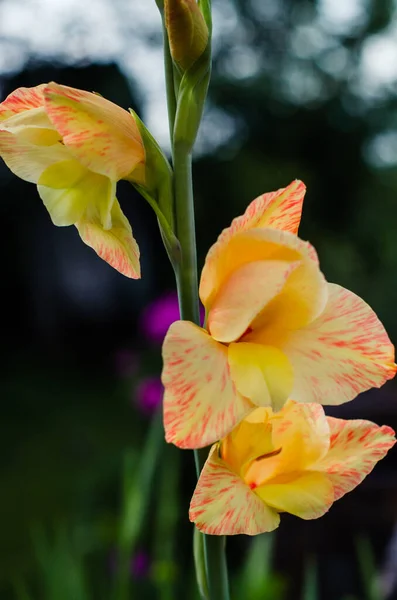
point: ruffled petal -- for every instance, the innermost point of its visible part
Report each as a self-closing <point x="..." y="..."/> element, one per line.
<point x="223" y="504"/>
<point x="115" y="245"/>
<point x="261" y="373"/>
<point x="21" y="100"/>
<point x="342" y="353"/>
<point x="244" y="295"/>
<point x="201" y="403"/>
<point x="26" y="160"/>
<point x="257" y="245"/>
<point x="103" y="136"/>
<point x="356" y="447"/>
<point x="279" y="210"/>
<point x="300" y="437"/>
<point x="276" y="210"/>
<point x="307" y="496"/>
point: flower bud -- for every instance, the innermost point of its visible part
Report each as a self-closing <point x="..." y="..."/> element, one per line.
<point x="187" y="31"/>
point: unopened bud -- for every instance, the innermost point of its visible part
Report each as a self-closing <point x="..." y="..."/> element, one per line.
<point x="187" y="31"/>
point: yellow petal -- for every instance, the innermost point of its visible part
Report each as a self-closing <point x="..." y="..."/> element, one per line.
<point x="103" y="136"/>
<point x="244" y="295"/>
<point x="307" y="496"/>
<point x="261" y="373"/>
<point x="201" y="403"/>
<point x="115" y="245"/>
<point x="27" y="160"/>
<point x="21" y="100"/>
<point x="356" y="447"/>
<point x="249" y="440"/>
<point x="260" y="245"/>
<point x="32" y="126"/>
<point x="300" y="437"/>
<point x="276" y="210"/>
<point x="223" y="504"/>
<point x="67" y="189"/>
<point x="342" y="353"/>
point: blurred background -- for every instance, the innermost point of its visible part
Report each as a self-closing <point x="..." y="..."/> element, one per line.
<point x="92" y="507"/>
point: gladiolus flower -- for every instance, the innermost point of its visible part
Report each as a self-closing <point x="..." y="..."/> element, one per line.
<point x="275" y="329"/>
<point x="297" y="461"/>
<point x="75" y="146"/>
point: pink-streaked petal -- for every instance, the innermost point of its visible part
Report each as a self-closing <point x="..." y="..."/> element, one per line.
<point x="245" y="247"/>
<point x="115" y="245"/>
<point x="32" y="126"/>
<point x="26" y="160"/>
<point x="201" y="403"/>
<point x="345" y="351"/>
<point x="281" y="209"/>
<point x="356" y="447"/>
<point x="223" y="504"/>
<point x="261" y="373"/>
<point x="21" y="100"/>
<point x="244" y="295"/>
<point x="103" y="136"/>
<point x="308" y="495"/>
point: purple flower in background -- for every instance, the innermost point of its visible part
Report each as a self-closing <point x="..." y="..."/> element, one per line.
<point x="160" y="314"/>
<point x="149" y="394"/>
<point x="140" y="564"/>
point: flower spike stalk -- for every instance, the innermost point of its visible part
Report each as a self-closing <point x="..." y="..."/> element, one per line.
<point x="185" y="99"/>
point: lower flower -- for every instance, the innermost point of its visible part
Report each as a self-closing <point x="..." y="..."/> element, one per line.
<point x="297" y="461"/>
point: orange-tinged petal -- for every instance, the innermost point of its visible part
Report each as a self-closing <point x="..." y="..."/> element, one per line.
<point x="201" y="403"/>
<point x="115" y="245"/>
<point x="27" y="160"/>
<point x="308" y="495"/>
<point x="300" y="437"/>
<point x="249" y="246"/>
<point x="251" y="439"/>
<point x="342" y="353"/>
<point x="302" y="299"/>
<point x="356" y="447"/>
<point x="103" y="136"/>
<point x="244" y="295"/>
<point x="67" y="189"/>
<point x="223" y="504"/>
<point x="261" y="373"/>
<point x="279" y="210"/>
<point x="21" y="100"/>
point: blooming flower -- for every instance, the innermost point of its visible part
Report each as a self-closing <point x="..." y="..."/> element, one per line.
<point x="275" y="329"/>
<point x="297" y="461"/>
<point x="75" y="146"/>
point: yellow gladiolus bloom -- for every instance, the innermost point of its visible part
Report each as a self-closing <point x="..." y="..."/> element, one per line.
<point x="75" y="146"/>
<point x="297" y="461"/>
<point x="275" y="329"/>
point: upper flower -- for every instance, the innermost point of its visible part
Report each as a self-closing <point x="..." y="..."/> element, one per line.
<point x="75" y="146"/>
<point x="275" y="329"/>
<point x="297" y="461"/>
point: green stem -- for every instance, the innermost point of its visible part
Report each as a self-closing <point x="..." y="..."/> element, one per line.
<point x="169" y="81"/>
<point x="187" y="284"/>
